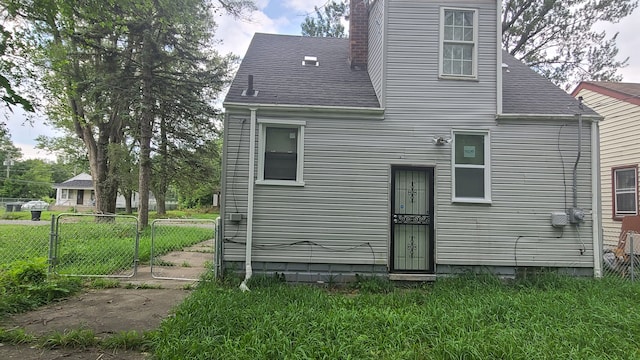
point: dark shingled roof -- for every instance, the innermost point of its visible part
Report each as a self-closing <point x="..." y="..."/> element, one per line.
<point x="526" y="92"/>
<point x="76" y="184"/>
<point x="275" y="61"/>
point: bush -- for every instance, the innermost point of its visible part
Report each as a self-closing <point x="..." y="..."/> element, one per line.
<point x="24" y="285"/>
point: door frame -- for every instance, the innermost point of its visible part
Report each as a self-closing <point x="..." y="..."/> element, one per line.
<point x="430" y="172"/>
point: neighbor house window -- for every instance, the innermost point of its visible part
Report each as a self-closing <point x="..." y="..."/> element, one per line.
<point x="281" y="157"/>
<point x="64" y="194"/>
<point x="625" y="191"/>
<point x="471" y="178"/>
<point x="459" y="45"/>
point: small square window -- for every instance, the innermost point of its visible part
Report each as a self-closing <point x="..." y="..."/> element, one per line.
<point x="281" y="157"/>
<point x="471" y="169"/>
<point x="625" y="191"/>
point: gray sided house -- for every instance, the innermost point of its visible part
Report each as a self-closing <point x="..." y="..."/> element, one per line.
<point x="414" y="148"/>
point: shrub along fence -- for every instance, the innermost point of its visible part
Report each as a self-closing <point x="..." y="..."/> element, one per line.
<point x="104" y="245"/>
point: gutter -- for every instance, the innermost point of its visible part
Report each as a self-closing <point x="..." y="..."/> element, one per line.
<point x="552" y="117"/>
<point x="251" y="182"/>
<point x="596" y="214"/>
<point x="370" y="113"/>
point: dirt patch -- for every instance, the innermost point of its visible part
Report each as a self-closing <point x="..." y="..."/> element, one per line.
<point x="26" y="352"/>
<point x="133" y="306"/>
<point x="105" y="311"/>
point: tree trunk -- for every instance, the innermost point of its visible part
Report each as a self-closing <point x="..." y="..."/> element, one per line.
<point x="161" y="200"/>
<point x="163" y="182"/>
<point x="128" y="208"/>
<point x="146" y="130"/>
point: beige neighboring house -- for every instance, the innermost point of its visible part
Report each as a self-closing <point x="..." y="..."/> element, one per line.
<point x="619" y="104"/>
<point x="77" y="191"/>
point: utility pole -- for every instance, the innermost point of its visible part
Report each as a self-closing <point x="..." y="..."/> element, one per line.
<point x="8" y="163"/>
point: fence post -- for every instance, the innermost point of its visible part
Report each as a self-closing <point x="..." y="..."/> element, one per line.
<point x="52" y="243"/>
<point x="632" y="256"/>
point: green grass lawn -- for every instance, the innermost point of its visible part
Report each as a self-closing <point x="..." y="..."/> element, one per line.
<point x="469" y="318"/>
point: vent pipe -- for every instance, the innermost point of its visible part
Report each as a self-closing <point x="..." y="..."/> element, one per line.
<point x="250" y="91"/>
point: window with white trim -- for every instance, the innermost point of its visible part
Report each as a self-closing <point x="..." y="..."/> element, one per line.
<point x="625" y="191"/>
<point x="458" y="45"/>
<point x="471" y="180"/>
<point x="64" y="194"/>
<point x="281" y="152"/>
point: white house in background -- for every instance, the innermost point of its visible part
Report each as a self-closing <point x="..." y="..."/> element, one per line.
<point x="78" y="191"/>
<point x="619" y="103"/>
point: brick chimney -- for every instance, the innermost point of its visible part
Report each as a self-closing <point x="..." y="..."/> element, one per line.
<point x="358" y="34"/>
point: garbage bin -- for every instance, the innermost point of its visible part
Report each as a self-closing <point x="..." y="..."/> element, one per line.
<point x="10" y="207"/>
<point x="35" y="215"/>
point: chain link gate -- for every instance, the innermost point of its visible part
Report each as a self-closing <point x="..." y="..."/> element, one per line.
<point x="182" y="249"/>
<point x="94" y="245"/>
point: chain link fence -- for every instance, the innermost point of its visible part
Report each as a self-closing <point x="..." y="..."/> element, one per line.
<point x="95" y="245"/>
<point x="24" y="240"/>
<point x="181" y="249"/>
<point x="623" y="260"/>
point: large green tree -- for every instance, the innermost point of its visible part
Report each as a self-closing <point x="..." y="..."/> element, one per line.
<point x="560" y="40"/>
<point x="110" y="64"/>
<point x="326" y="22"/>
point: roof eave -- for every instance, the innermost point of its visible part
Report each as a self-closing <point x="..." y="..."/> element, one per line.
<point x="552" y="117"/>
<point x="373" y="113"/>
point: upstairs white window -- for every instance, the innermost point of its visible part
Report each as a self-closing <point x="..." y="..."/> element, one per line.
<point x="625" y="192"/>
<point x="281" y="152"/>
<point x="459" y="44"/>
<point x="471" y="178"/>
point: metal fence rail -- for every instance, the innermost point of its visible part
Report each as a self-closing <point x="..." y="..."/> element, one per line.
<point x="181" y="249"/>
<point x="95" y="245"/>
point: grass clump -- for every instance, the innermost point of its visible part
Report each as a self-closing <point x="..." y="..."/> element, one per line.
<point x="16" y="336"/>
<point x="128" y="340"/>
<point x="551" y="317"/>
<point x="24" y="285"/>
<point x="77" y="339"/>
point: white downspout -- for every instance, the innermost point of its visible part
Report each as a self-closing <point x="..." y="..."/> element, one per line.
<point x="595" y="199"/>
<point x="251" y="182"/>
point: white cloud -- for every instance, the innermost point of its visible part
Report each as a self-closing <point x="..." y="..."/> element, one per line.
<point x="304" y="6"/>
<point x="236" y="34"/>
<point x="30" y="152"/>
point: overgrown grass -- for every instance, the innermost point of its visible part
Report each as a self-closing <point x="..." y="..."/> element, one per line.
<point x="23" y="242"/>
<point x="24" y="285"/>
<point x="545" y="317"/>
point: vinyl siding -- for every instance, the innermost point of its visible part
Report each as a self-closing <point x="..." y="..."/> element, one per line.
<point x="342" y="213"/>
<point x="619" y="146"/>
<point x="376" y="47"/>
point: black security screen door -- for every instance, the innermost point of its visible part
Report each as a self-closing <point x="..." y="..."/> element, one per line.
<point x="412" y="240"/>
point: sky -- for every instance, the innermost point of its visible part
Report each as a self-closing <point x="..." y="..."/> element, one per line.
<point x="285" y="17"/>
